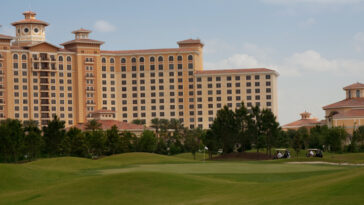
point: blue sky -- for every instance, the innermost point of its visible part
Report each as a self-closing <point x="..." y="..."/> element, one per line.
<point x="317" y="46"/>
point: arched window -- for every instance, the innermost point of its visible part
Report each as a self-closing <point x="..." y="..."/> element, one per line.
<point x="141" y="59"/>
<point x="60" y="58"/>
<point x="69" y="59"/>
<point x="112" y="60"/>
<point x="152" y="59"/>
<point x="170" y="58"/>
<point x="123" y="60"/>
<point x="103" y="60"/>
<point x="190" y="57"/>
<point x="133" y="60"/>
<point x="160" y="59"/>
<point x="179" y="58"/>
<point x="15" y="56"/>
<point x="23" y="57"/>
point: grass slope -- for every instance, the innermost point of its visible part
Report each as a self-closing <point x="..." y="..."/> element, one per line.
<point x="141" y="178"/>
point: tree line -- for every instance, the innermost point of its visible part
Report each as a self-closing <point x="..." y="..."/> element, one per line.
<point x="26" y="141"/>
<point x="236" y="130"/>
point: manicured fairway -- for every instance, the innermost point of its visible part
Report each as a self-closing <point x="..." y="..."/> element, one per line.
<point x="140" y="178"/>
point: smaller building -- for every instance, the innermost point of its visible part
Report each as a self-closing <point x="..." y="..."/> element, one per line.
<point x="305" y="121"/>
<point x="106" y="118"/>
<point x="348" y="113"/>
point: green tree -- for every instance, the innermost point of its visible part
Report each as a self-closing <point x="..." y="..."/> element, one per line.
<point x="113" y="141"/>
<point x="243" y="123"/>
<point x="93" y="125"/>
<point x="192" y="141"/>
<point x="95" y="142"/>
<point x="296" y="142"/>
<point x="33" y="139"/>
<point x="138" y="122"/>
<point x="224" y="127"/>
<point x="177" y="126"/>
<point x="11" y="140"/>
<point x="317" y="136"/>
<point x="335" y="138"/>
<point x="128" y="142"/>
<point x="161" y="147"/>
<point x="256" y="127"/>
<point x="147" y="142"/>
<point x="156" y="124"/>
<point x="75" y="142"/>
<point x="304" y="135"/>
<point x="270" y="129"/>
<point x="53" y="135"/>
<point x="211" y="141"/>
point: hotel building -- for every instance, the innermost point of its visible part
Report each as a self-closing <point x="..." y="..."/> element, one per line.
<point x="74" y="80"/>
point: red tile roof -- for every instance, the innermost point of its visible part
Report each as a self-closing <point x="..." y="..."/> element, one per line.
<point x="6" y="37"/>
<point x="354" y="86"/>
<point x="350" y="102"/>
<point x="88" y="41"/>
<point x="302" y="123"/>
<point x="107" y="124"/>
<point x="190" y="41"/>
<point x="244" y="70"/>
<point x="82" y="30"/>
<point x="147" y="51"/>
<point x="350" y="114"/>
<point x="25" y="21"/>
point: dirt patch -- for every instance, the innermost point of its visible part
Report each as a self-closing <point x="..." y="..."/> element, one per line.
<point x="243" y="156"/>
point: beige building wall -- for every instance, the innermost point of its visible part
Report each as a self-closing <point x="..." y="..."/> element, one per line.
<point x="40" y="80"/>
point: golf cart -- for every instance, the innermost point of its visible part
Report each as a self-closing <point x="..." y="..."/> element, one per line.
<point x="282" y="154"/>
<point x="314" y="153"/>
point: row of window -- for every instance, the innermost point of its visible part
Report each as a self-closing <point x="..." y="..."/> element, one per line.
<point x="229" y="78"/>
<point x="151" y="59"/>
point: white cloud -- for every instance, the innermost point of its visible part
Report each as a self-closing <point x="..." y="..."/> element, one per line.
<point x="104" y="26"/>
<point x="290" y="2"/>
<point x="295" y="65"/>
<point x="307" y="23"/>
<point x="312" y="61"/>
<point x="235" y="61"/>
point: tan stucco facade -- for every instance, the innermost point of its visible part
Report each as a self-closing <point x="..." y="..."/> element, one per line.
<point x="40" y="80"/>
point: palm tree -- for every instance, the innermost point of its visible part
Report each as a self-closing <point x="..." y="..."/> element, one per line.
<point x="155" y="123"/>
<point x="176" y="125"/>
<point x="93" y="125"/>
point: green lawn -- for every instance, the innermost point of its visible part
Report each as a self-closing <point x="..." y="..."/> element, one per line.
<point x="141" y="178"/>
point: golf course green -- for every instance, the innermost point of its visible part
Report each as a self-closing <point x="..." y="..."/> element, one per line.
<point x="144" y="178"/>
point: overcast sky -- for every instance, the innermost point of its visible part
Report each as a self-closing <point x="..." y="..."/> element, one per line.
<point x="317" y="46"/>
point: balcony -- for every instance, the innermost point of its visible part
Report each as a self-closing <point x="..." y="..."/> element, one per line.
<point x="44" y="87"/>
<point x="44" y="81"/>
<point x="44" y="108"/>
<point x="44" y="102"/>
<point x="44" y="95"/>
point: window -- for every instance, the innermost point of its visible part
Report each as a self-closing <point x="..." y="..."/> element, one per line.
<point x="256" y="77"/>
<point x="15" y="56"/>
<point x="123" y="60"/>
<point x="190" y="57"/>
<point x="112" y="60"/>
<point x="133" y="60"/>
<point x="152" y="59"/>
<point x="358" y="93"/>
<point x="179" y="58"/>
<point x="160" y="59"/>
<point x="69" y="59"/>
<point x="267" y="77"/>
<point x="141" y="59"/>
<point x="60" y="58"/>
<point x="23" y="57"/>
<point x="170" y="58"/>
